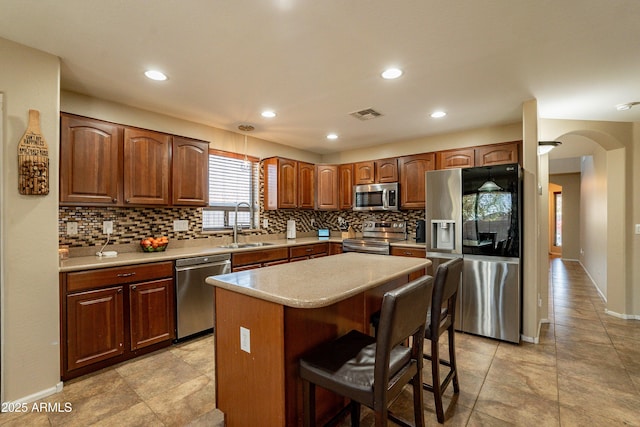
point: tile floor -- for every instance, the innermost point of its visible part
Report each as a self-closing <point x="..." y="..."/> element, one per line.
<point x="584" y="372"/>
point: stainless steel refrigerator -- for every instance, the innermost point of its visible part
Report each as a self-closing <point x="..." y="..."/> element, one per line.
<point x="475" y="213"/>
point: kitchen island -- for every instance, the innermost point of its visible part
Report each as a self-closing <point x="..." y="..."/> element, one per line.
<point x="266" y="318"/>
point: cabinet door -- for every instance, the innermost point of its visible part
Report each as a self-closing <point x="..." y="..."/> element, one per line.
<point x="346" y="186"/>
<point x="95" y="326"/>
<point x="306" y="185"/>
<point x="497" y="154"/>
<point x="412" y="179"/>
<point x="335" y="248"/>
<point x="365" y="172"/>
<point x="463" y="158"/>
<point x="413" y="253"/>
<point x="327" y="178"/>
<point x="146" y="167"/>
<point x="190" y="167"/>
<point x="151" y="312"/>
<point x="387" y="170"/>
<point x="287" y="184"/>
<point x="89" y="166"/>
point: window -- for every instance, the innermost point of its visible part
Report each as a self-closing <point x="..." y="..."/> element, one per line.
<point x="557" y="231"/>
<point x="232" y="180"/>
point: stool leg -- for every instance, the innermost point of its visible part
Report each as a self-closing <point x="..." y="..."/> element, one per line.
<point x="452" y="359"/>
<point x="435" y="378"/>
<point x="355" y="414"/>
<point x="309" y="403"/>
<point x="418" y="410"/>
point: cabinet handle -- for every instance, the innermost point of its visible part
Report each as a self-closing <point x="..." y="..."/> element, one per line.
<point x="133" y="288"/>
<point x="127" y="201"/>
<point x="126" y="274"/>
<point x="114" y="200"/>
<point x="120" y="290"/>
<point x="308" y="250"/>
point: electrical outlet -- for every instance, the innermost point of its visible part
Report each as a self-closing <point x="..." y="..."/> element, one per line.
<point x="107" y="227"/>
<point x="245" y="339"/>
<point x="539" y="301"/>
<point x="72" y="228"/>
<point x="313" y="222"/>
<point x="181" y="225"/>
<point x="265" y="223"/>
<point x="637" y="228"/>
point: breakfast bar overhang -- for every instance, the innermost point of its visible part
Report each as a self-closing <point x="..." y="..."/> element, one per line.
<point x="266" y="318"/>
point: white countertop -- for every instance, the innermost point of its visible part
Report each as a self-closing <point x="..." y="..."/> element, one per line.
<point x="170" y="254"/>
<point x="319" y="282"/>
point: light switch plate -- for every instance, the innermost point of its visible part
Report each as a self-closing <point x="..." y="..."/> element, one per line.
<point x="72" y="228"/>
<point x="181" y="225"/>
<point x="107" y="227"/>
<point x="245" y="339"/>
<point x="265" y="223"/>
<point x="637" y="228"/>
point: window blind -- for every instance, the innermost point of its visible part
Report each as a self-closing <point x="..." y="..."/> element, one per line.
<point x="231" y="181"/>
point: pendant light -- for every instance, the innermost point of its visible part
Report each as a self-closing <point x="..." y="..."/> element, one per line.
<point x="246" y="128"/>
<point x="489" y="185"/>
<point x="545" y="146"/>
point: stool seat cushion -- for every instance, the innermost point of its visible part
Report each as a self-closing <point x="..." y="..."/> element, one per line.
<point x="347" y="364"/>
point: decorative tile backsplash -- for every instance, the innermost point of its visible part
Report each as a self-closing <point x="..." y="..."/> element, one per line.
<point x="132" y="224"/>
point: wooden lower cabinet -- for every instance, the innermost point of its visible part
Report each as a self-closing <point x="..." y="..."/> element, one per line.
<point x="113" y="314"/>
<point x="95" y="330"/>
<point x="411" y="252"/>
<point x="150" y="306"/>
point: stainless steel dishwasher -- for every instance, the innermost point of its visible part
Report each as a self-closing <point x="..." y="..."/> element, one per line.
<point x="194" y="298"/>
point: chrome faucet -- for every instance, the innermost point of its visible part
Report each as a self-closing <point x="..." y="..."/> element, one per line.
<point x="235" y="225"/>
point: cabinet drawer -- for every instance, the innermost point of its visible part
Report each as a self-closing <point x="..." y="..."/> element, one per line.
<point x="410" y="252"/>
<point x="81" y="280"/>
<point x="260" y="256"/>
<point x="307" y="250"/>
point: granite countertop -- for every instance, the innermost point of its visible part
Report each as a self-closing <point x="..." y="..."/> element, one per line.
<point x="138" y="257"/>
<point x="318" y="282"/>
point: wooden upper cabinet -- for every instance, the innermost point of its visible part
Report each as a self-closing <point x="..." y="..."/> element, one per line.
<point x="146" y="167"/>
<point x="345" y="186"/>
<point x="89" y="161"/>
<point x="412" y="173"/>
<point x="280" y="183"/>
<point x="497" y="154"/>
<point x="376" y="171"/>
<point x="190" y="167"/>
<point x="387" y="170"/>
<point x="365" y="172"/>
<point x="461" y="158"/>
<point x="327" y="188"/>
<point x="306" y="185"/>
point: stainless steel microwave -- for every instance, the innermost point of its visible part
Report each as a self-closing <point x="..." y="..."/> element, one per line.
<point x="376" y="197"/>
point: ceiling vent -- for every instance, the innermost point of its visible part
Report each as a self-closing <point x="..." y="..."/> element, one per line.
<point x="367" y="114"/>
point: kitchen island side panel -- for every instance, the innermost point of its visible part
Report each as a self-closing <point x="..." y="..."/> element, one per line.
<point x="249" y="386"/>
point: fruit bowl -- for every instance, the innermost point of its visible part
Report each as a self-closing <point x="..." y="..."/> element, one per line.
<point x="153" y="244"/>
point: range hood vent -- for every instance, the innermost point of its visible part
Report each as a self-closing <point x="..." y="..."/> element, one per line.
<point x="366" y="114"/>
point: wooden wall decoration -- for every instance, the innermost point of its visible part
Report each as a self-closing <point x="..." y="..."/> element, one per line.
<point x="33" y="159"/>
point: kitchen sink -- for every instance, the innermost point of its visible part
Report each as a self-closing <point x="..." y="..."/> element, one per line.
<point x="245" y="245"/>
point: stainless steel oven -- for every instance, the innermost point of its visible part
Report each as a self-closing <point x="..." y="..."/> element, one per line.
<point x="377" y="237"/>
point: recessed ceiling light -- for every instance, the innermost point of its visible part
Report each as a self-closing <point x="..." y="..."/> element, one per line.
<point x="268" y="114"/>
<point x="155" y="75"/>
<point x="438" y="114"/>
<point x="332" y="136"/>
<point x="391" y="73"/>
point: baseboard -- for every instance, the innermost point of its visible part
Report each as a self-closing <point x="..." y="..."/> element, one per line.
<point x="572" y="260"/>
<point x="593" y="282"/>
<point x="533" y="340"/>
<point x="622" y="316"/>
<point x="39" y="395"/>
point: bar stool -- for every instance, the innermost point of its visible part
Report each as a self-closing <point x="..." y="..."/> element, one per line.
<point x="373" y="371"/>
<point x="441" y="319"/>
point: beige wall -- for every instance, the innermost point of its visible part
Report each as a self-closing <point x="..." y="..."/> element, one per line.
<point x="220" y="139"/>
<point x="570" y="183"/>
<point x="29" y="79"/>
<point x="634" y="254"/>
<point x="593" y="224"/>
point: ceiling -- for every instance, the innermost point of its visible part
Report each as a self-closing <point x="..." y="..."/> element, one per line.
<point x="314" y="62"/>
